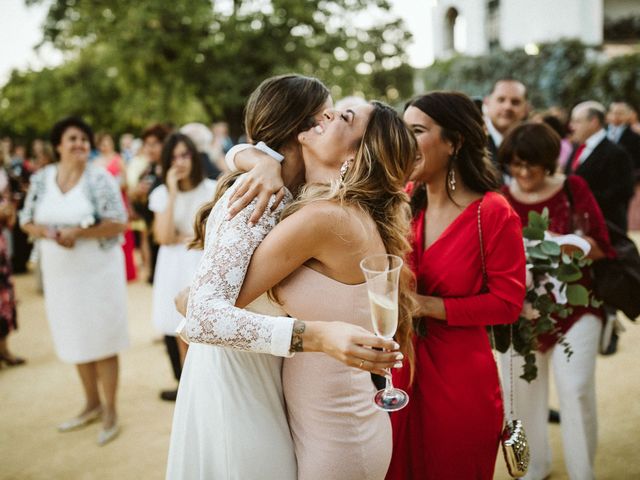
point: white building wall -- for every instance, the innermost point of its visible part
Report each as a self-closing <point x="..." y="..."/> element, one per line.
<point x="524" y="21"/>
<point x="530" y="21"/>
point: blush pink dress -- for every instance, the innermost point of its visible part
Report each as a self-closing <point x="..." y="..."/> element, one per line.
<point x="337" y="431"/>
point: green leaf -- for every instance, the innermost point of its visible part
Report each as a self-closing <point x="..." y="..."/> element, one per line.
<point x="550" y="248"/>
<point x="577" y="295"/>
<point x="542" y="268"/>
<point x="531" y="233"/>
<point x="544" y="325"/>
<point x="544" y="303"/>
<point x="537" y="221"/>
<point x="545" y="216"/>
<point x="536" y="252"/>
<point x="568" y="273"/>
<point x="530" y="371"/>
<point x="578" y="255"/>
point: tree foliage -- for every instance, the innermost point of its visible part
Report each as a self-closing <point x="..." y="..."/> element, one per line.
<point x="129" y="63"/>
<point x="563" y="73"/>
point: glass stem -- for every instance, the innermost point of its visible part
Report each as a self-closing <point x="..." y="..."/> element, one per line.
<point x="389" y="384"/>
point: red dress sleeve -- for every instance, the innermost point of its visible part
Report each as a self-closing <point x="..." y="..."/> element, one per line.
<point x="505" y="266"/>
<point x="585" y="202"/>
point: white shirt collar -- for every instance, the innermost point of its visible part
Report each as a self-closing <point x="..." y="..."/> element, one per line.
<point x="493" y="131"/>
<point x="594" y="140"/>
<point x="615" y="132"/>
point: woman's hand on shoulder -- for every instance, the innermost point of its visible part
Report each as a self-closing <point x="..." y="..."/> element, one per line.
<point x="353" y="345"/>
<point x="262" y="181"/>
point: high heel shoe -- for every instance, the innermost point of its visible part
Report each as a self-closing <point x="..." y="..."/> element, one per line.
<point x="81" y="421"/>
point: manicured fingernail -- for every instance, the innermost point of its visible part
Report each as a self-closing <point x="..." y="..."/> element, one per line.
<point x="397" y="365"/>
<point x="228" y="217"/>
<point x="399" y="356"/>
<point x="396" y="346"/>
<point x="252" y="224"/>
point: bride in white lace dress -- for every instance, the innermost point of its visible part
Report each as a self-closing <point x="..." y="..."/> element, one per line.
<point x="230" y="419"/>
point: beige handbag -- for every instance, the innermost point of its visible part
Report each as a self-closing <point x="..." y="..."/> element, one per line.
<point x="513" y="439"/>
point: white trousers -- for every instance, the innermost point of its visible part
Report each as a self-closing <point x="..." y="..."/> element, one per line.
<point x="575" y="384"/>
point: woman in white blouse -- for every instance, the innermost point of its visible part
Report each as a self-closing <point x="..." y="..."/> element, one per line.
<point x="175" y="204"/>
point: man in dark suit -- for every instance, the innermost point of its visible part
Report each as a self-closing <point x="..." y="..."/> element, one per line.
<point x="504" y="108"/>
<point x="608" y="170"/>
<point x="620" y="133"/>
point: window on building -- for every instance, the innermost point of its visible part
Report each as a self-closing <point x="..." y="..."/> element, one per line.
<point x="493" y="24"/>
<point x="455" y="32"/>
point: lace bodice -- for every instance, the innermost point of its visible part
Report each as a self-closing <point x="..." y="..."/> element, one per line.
<point x="212" y="316"/>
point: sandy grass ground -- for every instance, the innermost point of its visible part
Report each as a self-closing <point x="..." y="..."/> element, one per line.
<point x="34" y="398"/>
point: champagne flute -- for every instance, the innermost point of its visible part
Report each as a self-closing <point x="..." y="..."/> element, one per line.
<point x="382" y="273"/>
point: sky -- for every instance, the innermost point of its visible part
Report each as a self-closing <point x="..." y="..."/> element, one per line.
<point x="21" y="27"/>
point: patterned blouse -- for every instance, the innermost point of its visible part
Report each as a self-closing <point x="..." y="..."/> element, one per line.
<point x="100" y="188"/>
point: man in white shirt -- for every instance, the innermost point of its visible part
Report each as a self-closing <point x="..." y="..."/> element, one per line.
<point x="620" y="133"/>
<point x="504" y="108"/>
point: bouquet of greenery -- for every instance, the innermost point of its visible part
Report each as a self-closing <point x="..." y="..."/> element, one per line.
<point x="551" y="291"/>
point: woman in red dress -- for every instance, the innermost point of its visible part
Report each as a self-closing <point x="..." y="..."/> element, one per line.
<point x="452" y="425"/>
<point x="530" y="152"/>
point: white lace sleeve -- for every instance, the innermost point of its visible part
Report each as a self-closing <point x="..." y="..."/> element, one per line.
<point x="212" y="316"/>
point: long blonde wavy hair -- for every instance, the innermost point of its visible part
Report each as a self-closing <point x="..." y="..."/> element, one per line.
<point x="374" y="183"/>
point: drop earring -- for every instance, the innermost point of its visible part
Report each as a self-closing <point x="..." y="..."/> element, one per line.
<point x="344" y="168"/>
<point x="452" y="180"/>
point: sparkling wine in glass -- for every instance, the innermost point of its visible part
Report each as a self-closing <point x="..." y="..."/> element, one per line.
<point x="383" y="274"/>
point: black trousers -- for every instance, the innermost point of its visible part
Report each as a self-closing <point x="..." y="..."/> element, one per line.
<point x="21" y="249"/>
<point x="174" y="355"/>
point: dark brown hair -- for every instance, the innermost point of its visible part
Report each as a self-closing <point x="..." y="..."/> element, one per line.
<point x="532" y="143"/>
<point x="196" y="175"/>
<point x="158" y="130"/>
<point x="463" y="126"/>
<point x="61" y="126"/>
<point x="279" y="109"/>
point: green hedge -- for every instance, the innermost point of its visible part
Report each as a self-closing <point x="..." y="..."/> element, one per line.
<point x="563" y="73"/>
